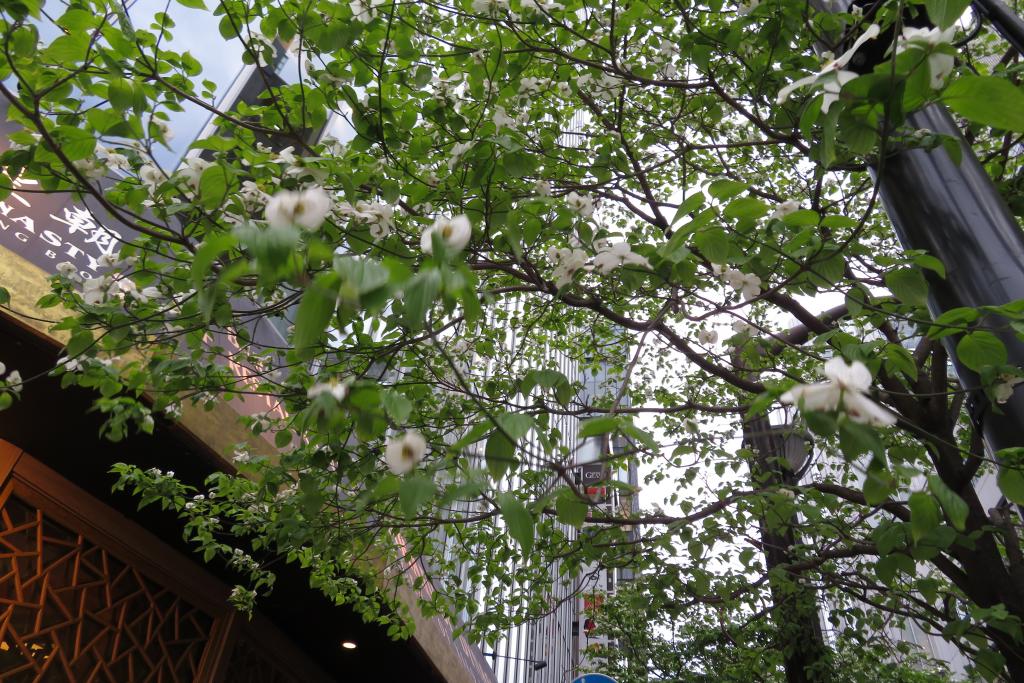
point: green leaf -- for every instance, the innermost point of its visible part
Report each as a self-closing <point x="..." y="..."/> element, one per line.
<point x="745" y="207"/>
<point x="518" y="520"/>
<point x="499" y="454"/>
<point x="878" y="483"/>
<point x="890" y="566"/>
<point x="713" y="245"/>
<point x="988" y="100"/>
<point x="570" y="509"/>
<point x="5" y="296"/>
<point x="691" y="203"/>
<point x="79" y="342"/>
<point x="598" y="425"/>
<point x="476" y="432"/>
<point x="909" y="286"/>
<point x="214" y="186"/>
<point x="314" y="313"/>
<point x="516" y="425"/>
<point x="980" y="348"/>
<point x="420" y="293"/>
<point x="952" y="504"/>
<point x="944" y="13"/>
<point x="953" y="321"/>
<point x="931" y="263"/>
<point x="1011" y="483"/>
<point x="724" y="188"/>
<point x="396" y="405"/>
<point x="924" y="514"/>
<point x="414" y="492"/>
<point x="208" y="253"/>
<point x="120" y="94"/>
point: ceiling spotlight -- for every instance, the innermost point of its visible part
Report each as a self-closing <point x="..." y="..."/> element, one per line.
<point x="348" y="645"/>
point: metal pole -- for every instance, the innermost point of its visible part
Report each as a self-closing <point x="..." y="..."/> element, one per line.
<point x="955" y="213"/>
<point x="795" y="610"/>
<point x="1004" y="20"/>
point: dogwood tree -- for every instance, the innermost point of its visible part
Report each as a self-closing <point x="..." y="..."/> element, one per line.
<point x="675" y="192"/>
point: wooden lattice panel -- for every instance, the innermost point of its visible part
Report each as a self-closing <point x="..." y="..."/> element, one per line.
<point x="72" y="612"/>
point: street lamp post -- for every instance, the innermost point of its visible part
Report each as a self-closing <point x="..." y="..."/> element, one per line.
<point x="538" y="664"/>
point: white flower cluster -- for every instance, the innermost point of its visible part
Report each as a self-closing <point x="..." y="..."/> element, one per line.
<point x="784" y="209"/>
<point x="747" y="284"/>
<point x="151" y="176"/>
<point x="845" y="390"/>
<point x="581" y="204"/>
<point x="455" y="232"/>
<point x="306" y="209"/>
<point x="403" y="453"/>
<point x="540" y="6"/>
<point x="1003" y="389"/>
<point x="365" y="11"/>
<point x="490" y="7"/>
<point x="611" y="256"/>
<point x="333" y="388"/>
<point x="191" y="171"/>
<point x="111" y="286"/>
<point x="668" y="54"/>
<point x="163" y="129"/>
<point x="101" y="163"/>
<point x="567" y="262"/>
<point x="13" y="380"/>
<point x="603" y="86"/>
<point x="932" y="41"/>
<point x="832" y="76"/>
<point x="379" y="217"/>
<point x="707" y="337"/>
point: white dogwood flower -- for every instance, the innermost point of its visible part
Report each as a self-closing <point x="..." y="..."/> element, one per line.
<point x="14" y="381"/>
<point x="68" y="269"/>
<point x="404" y="452"/>
<point x="833" y="75"/>
<point x="306" y="208"/>
<point x="748" y="285"/>
<point x="930" y="40"/>
<point x="92" y="168"/>
<point x="845" y="390"/>
<point x="581" y="204"/>
<point x="707" y="337"/>
<point x="1003" y="389"/>
<point x="618" y="254"/>
<point x="455" y="232"/>
<point x="117" y="162"/>
<point x="164" y="128"/>
<point x="94" y="290"/>
<point x="192" y="170"/>
<point x="151" y="176"/>
<point x="567" y="262"/>
<point x="784" y="209"/>
<point x="502" y="119"/>
<point x="336" y="389"/>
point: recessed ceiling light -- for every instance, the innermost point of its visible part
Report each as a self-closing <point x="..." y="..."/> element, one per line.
<point x="348" y="645"/>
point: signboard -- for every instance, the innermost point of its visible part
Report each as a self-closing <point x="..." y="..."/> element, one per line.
<point x="47" y="228"/>
<point x="593" y="678"/>
<point x="593" y="478"/>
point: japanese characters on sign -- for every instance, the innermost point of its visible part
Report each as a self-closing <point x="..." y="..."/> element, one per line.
<point x="48" y="229"/>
